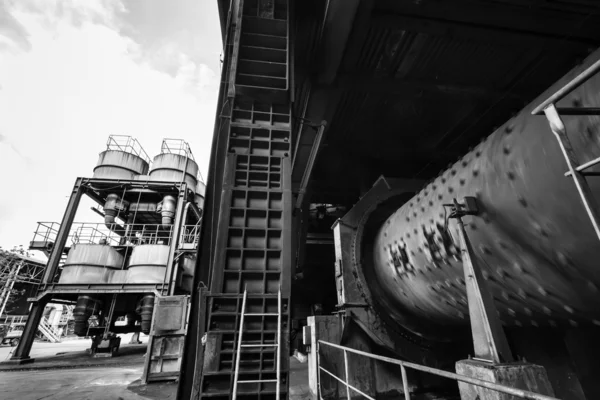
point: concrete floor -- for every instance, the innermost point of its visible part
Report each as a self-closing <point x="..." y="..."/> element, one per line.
<point x="111" y="381"/>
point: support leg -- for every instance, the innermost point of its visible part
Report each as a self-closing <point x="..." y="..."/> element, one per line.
<point x="21" y="354"/>
<point x="494" y="361"/>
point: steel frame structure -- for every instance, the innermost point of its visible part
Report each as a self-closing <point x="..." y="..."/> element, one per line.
<point x="49" y="289"/>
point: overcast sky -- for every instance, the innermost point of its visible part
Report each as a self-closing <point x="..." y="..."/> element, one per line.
<point x="73" y="72"/>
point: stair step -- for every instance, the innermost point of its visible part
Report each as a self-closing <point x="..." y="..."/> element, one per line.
<point x="263" y="54"/>
<point x="262" y="68"/>
<point x="261" y="81"/>
<point x="258" y="40"/>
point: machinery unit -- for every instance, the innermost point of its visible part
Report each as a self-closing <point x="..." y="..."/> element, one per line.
<point x="143" y="248"/>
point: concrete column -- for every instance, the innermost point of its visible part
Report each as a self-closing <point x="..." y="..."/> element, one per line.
<point x="516" y="374"/>
<point x="494" y="361"/>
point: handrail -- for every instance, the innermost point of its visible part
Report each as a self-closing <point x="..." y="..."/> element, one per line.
<point x="568" y="88"/>
<point x="127" y="144"/>
<point x="445" y="374"/>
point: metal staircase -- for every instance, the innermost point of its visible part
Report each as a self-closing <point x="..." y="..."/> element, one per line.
<point x="48" y="331"/>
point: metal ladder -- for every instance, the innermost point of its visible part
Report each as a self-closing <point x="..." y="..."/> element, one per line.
<point x="240" y="346"/>
<point x="576" y="170"/>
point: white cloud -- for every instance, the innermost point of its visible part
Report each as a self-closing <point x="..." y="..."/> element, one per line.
<point x="80" y="82"/>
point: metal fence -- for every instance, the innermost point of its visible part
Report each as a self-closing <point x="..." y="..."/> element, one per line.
<point x="127" y="144"/>
<point x="111" y="234"/>
<point x="524" y="394"/>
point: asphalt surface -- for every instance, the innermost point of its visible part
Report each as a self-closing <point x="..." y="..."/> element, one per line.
<point x="65" y="371"/>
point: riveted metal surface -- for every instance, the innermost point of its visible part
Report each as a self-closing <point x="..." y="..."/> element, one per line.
<point x="532" y="239"/>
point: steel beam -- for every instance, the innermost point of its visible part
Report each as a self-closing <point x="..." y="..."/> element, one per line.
<point x="63" y="231"/>
<point x="511" y="23"/>
<point x="171" y="273"/>
<point x="489" y="340"/>
<point x="21" y="354"/>
<point x="409" y="87"/>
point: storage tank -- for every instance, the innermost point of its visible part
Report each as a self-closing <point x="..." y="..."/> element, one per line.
<point x="148" y="263"/>
<point x="199" y="197"/>
<point x="90" y="263"/>
<point x="124" y="158"/>
<point x="533" y="239"/>
<point x="175" y="158"/>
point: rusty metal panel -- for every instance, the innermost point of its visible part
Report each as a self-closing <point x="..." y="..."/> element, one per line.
<point x="167" y="337"/>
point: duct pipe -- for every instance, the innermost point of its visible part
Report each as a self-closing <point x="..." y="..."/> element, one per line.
<point x="86" y="306"/>
<point x="114" y="206"/>
<point x="145" y="309"/>
<point x="167" y="210"/>
<point x="194" y="209"/>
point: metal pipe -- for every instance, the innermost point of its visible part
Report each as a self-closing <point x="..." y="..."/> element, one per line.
<point x="524" y="394"/>
<point x="314" y="151"/>
<point x="565" y="90"/>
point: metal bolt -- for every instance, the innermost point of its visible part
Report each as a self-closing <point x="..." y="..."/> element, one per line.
<point x="569" y="309"/>
<point x="547" y="311"/>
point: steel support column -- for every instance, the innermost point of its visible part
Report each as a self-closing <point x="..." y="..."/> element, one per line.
<point x="489" y="340"/>
<point x="171" y="268"/>
<point x="63" y="232"/>
<point x="21" y="354"/>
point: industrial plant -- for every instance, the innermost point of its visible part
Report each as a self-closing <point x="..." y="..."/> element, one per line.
<point x="402" y="202"/>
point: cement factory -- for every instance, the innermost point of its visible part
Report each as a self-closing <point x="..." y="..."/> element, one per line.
<point x="401" y="194"/>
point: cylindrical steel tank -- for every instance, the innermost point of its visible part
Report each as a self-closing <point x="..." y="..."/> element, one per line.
<point x="90" y="263"/>
<point x="116" y="164"/>
<point x="86" y="306"/>
<point x="169" y="167"/>
<point x="533" y="238"/>
<point x="148" y="263"/>
<point x="199" y="197"/>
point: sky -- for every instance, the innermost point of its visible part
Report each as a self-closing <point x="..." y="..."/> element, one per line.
<point x="74" y="72"/>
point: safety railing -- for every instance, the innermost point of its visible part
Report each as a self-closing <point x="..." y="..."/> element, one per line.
<point x="127" y="144"/>
<point x="111" y="234"/>
<point x="190" y="234"/>
<point x="46" y="232"/>
<point x="524" y="394"/>
<point x="177" y="146"/>
<point x="13" y="319"/>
